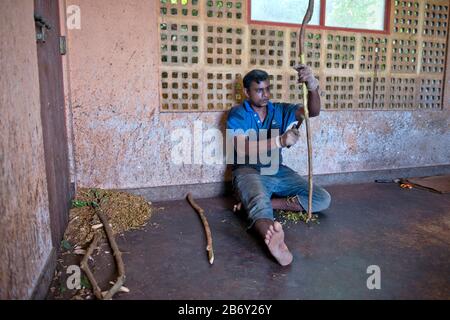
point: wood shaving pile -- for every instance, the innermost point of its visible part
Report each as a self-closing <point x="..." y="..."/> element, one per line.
<point x="295" y="217"/>
<point x="124" y="211"/>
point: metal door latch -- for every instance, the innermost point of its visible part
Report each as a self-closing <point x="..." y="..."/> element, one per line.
<point x="41" y="27"/>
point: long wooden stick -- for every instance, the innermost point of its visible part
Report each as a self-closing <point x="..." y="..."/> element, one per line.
<point x="301" y="40"/>
<point x="201" y="213"/>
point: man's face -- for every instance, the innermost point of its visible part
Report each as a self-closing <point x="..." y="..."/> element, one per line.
<point x="258" y="94"/>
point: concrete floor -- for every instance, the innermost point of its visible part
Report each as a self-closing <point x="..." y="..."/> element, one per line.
<point x="404" y="232"/>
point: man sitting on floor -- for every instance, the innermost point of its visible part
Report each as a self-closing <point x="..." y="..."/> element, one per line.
<point x="260" y="129"/>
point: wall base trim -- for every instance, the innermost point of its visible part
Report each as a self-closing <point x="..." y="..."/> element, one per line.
<point x="45" y="279"/>
<point x="209" y="190"/>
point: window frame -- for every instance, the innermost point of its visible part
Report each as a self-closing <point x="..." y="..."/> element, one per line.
<point x="322" y="26"/>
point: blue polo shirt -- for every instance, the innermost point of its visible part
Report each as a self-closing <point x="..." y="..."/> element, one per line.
<point x="279" y="117"/>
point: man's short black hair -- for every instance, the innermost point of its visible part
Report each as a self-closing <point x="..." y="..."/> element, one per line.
<point x="255" y="75"/>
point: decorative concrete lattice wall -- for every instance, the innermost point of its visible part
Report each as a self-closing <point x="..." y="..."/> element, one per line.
<point x="207" y="46"/>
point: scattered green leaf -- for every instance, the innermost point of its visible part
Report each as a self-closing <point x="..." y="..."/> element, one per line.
<point x="84" y="281"/>
<point x="79" y="204"/>
<point x="66" y="245"/>
<point x="94" y="204"/>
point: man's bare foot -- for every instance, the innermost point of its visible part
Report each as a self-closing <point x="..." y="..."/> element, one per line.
<point x="275" y="242"/>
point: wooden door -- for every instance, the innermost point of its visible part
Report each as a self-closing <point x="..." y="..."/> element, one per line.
<point x="53" y="115"/>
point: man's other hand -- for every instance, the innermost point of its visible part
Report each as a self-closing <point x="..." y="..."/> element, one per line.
<point x="306" y="75"/>
<point x="290" y="137"/>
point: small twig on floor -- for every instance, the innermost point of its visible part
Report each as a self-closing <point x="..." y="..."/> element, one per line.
<point x="200" y="211"/>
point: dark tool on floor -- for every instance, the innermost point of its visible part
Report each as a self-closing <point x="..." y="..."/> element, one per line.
<point x="404" y="184"/>
<point x="301" y="45"/>
<point x="201" y="213"/>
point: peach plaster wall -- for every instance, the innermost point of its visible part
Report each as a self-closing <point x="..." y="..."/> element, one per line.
<point x="122" y="141"/>
<point x="25" y="236"/>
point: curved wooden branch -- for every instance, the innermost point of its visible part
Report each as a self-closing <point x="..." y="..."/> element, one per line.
<point x="116" y="252"/>
<point x="201" y="212"/>
<point x="301" y="46"/>
<point x="117" y="256"/>
<point x="85" y="266"/>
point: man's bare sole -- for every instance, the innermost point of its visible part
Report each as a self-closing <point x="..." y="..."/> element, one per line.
<point x="275" y="242"/>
